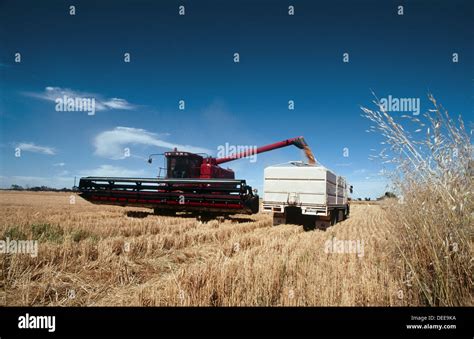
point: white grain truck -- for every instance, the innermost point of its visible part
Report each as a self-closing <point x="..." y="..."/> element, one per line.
<point x="299" y="193"/>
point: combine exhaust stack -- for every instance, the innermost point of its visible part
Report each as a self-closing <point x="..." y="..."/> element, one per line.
<point x="193" y="184"/>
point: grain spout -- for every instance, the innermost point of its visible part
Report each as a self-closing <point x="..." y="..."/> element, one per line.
<point x="309" y="155"/>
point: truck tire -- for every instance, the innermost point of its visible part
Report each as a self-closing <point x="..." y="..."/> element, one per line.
<point x="309" y="222"/>
<point x="293" y="215"/>
<point x="333" y="217"/>
<point x="279" y="219"/>
<point x="346" y="212"/>
<point x="341" y="215"/>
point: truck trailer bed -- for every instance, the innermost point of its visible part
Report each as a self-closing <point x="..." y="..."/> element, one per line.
<point x="312" y="189"/>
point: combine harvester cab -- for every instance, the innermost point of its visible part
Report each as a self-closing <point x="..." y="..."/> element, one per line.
<point x="307" y="194"/>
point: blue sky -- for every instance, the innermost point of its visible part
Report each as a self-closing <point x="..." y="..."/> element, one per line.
<point x="191" y="58"/>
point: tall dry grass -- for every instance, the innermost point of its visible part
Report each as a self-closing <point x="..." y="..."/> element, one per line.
<point x="429" y="161"/>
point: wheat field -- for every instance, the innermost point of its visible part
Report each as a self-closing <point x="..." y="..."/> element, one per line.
<point x="112" y="256"/>
<point x="416" y="250"/>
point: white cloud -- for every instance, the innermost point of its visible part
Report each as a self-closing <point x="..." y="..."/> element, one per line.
<point x="60" y="164"/>
<point x="31" y="147"/>
<point x="51" y="93"/>
<point x="110" y="144"/>
<point x="117" y="103"/>
<point x="112" y="171"/>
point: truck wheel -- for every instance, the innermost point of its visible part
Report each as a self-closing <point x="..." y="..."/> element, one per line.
<point x="344" y="214"/>
<point x="309" y="222"/>
<point x="341" y="215"/>
<point x="279" y="218"/>
<point x="333" y="217"/>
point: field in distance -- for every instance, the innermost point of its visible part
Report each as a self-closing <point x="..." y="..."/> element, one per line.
<point x="106" y="255"/>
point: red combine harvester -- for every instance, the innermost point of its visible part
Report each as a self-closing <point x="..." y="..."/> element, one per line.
<point x="193" y="183"/>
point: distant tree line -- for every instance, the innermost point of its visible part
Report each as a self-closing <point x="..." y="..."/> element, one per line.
<point x="41" y="189"/>
<point x="387" y="195"/>
<point x="364" y="199"/>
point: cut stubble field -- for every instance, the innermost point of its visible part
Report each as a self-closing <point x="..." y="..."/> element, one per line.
<point x="93" y="255"/>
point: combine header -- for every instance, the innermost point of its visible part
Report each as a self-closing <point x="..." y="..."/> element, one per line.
<point x="193" y="183"/>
